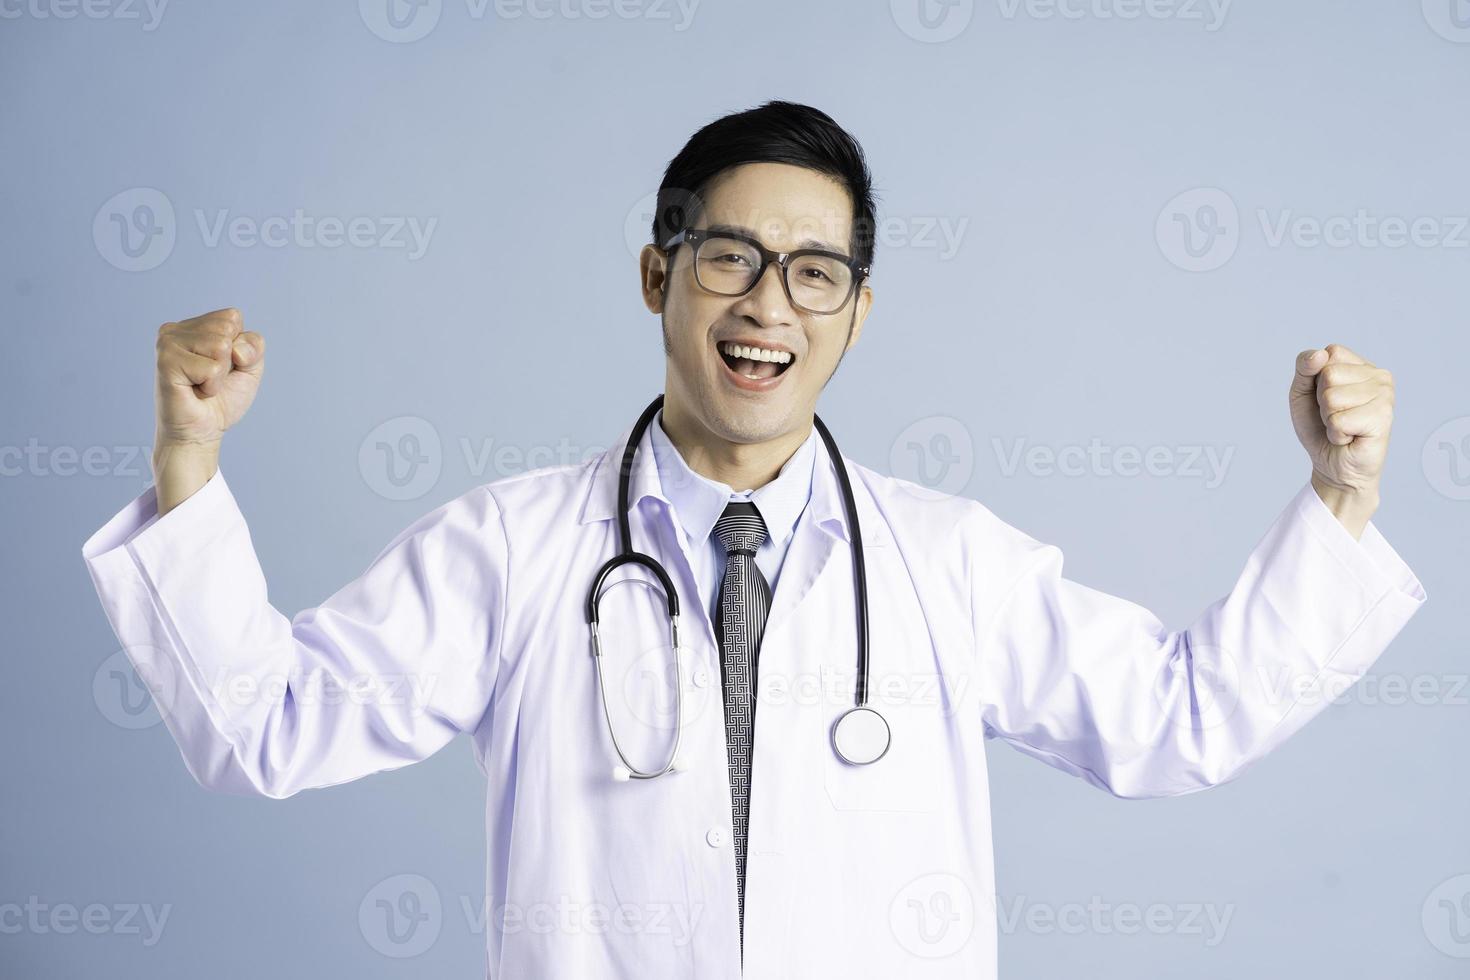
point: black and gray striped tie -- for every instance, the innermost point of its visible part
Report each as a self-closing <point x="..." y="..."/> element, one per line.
<point x="745" y="599"/>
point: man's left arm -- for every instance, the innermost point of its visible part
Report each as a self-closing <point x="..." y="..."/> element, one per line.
<point x="1094" y="685"/>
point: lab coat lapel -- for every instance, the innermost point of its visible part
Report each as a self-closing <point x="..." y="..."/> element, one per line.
<point x="813" y="539"/>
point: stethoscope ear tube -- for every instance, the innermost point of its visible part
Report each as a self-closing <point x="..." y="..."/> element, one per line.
<point x="859" y="569"/>
<point x="625" y="473"/>
<point x="594" y="595"/>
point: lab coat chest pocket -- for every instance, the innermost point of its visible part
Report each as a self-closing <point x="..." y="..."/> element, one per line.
<point x="905" y="686"/>
<point x="907" y="778"/>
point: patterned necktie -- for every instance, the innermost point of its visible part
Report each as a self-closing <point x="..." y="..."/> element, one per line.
<point x="745" y="599"/>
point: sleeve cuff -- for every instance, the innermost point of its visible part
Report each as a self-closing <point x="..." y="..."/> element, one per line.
<point x="135" y="523"/>
<point x="1370" y="559"/>
<point x="137" y="553"/>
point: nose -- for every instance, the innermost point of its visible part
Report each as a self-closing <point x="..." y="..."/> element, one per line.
<point x="767" y="302"/>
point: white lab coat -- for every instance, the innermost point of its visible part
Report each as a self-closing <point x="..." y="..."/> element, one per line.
<point x="475" y="617"/>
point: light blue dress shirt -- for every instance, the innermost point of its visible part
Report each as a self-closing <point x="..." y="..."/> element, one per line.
<point x="699" y="501"/>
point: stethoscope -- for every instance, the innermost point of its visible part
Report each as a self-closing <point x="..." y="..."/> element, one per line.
<point x="860" y="736"/>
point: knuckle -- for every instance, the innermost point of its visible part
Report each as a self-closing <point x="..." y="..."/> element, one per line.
<point x="221" y="323"/>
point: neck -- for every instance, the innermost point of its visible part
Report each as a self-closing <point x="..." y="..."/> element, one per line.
<point x="738" y="465"/>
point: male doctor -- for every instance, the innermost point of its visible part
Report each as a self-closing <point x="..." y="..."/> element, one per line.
<point x="763" y="850"/>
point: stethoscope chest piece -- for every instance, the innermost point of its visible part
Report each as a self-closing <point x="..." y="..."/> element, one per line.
<point x="861" y="736"/>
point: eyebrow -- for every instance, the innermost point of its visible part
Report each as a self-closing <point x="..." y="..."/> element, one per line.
<point x="804" y="243"/>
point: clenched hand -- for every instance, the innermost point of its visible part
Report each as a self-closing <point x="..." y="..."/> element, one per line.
<point x="1342" y="409"/>
<point x="209" y="370"/>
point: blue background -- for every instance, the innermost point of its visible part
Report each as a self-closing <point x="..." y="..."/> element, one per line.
<point x="1056" y="147"/>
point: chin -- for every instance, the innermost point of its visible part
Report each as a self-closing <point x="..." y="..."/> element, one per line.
<point x="740" y="421"/>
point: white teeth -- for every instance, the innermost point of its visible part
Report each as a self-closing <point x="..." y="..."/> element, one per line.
<point x="756" y="353"/>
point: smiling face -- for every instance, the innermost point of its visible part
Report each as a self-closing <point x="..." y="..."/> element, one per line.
<point x="713" y="387"/>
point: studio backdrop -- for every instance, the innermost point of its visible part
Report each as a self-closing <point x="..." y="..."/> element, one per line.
<point x="1105" y="231"/>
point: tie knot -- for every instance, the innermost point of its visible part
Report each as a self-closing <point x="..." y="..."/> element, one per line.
<point x="741" y="528"/>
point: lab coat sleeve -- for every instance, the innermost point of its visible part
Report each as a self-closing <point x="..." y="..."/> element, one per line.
<point x="383" y="673"/>
<point x="1096" y="686"/>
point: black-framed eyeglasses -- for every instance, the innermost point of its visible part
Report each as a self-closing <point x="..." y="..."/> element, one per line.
<point x="728" y="263"/>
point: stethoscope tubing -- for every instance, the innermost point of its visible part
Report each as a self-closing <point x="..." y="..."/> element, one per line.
<point x="627" y="556"/>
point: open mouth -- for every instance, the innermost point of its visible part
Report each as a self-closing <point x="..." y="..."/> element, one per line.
<point x="755" y="363"/>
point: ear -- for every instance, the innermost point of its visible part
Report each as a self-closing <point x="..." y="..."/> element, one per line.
<point x="859" y="314"/>
<point x="653" y="275"/>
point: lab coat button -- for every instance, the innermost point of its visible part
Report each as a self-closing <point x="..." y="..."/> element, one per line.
<point x="715" y="838"/>
<point x="701" y="677"/>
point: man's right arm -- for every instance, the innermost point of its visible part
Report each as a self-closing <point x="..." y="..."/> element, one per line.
<point x="383" y="673"/>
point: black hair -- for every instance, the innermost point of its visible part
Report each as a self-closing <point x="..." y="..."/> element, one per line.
<point x="776" y="132"/>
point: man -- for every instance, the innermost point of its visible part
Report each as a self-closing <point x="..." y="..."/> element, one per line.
<point x="760" y="848"/>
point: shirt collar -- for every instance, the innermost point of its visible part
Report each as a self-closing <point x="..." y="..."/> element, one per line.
<point x="699" y="501"/>
<point x="824" y="509"/>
